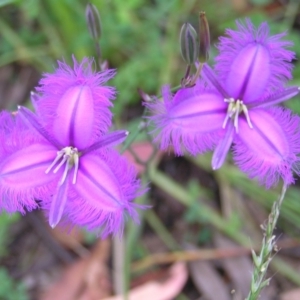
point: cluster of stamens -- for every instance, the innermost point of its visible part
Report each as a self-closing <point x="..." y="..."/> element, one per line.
<point x="68" y="156"/>
<point x="235" y="108"/>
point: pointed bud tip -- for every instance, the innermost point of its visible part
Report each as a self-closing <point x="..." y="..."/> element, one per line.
<point x="144" y="96"/>
<point x="126" y="132"/>
<point x="204" y="38"/>
<point x="188" y="43"/>
<point x="93" y="21"/>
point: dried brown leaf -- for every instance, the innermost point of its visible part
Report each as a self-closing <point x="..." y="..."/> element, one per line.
<point x="87" y="279"/>
<point x="291" y="295"/>
<point x="166" y="290"/>
<point x="208" y="281"/>
<point x="238" y="268"/>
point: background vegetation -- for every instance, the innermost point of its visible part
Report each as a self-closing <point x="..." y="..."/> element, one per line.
<point x="192" y="206"/>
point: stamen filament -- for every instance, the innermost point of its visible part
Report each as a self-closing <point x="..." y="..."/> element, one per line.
<point x="235" y="108"/>
<point x="64" y="176"/>
<point x="236" y="116"/>
<point x="65" y="158"/>
<point x="246" y="113"/>
<point x="68" y="156"/>
<point x="226" y="120"/>
<point x="76" y="166"/>
<point x="57" y="158"/>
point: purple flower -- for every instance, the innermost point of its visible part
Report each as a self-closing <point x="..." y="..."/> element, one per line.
<point x="61" y="157"/>
<point x="237" y="106"/>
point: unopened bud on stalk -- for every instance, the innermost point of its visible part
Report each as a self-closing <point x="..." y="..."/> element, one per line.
<point x="93" y="21"/>
<point x="189" y="43"/>
<point x="204" y="38"/>
<point x="144" y="96"/>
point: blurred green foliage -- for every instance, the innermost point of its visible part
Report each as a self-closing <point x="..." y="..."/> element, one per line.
<point x="5" y="222"/>
<point x="140" y="37"/>
<point x="9" y="289"/>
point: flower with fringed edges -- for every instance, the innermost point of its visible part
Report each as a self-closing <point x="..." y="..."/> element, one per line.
<point x="62" y="156"/>
<point x="236" y="105"/>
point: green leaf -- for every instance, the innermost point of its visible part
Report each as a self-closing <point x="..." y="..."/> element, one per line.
<point x="6" y="2"/>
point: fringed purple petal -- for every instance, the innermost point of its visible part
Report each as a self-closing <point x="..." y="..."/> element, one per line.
<point x="26" y="167"/>
<point x="249" y="73"/>
<point x="103" y="194"/>
<point x="64" y="84"/>
<point x="24" y="155"/>
<point x="269" y="51"/>
<point x="223" y="147"/>
<point x="23" y="178"/>
<point x="75" y="117"/>
<point x="192" y="120"/>
<point x="269" y="150"/>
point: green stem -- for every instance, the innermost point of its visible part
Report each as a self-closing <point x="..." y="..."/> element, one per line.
<point x="262" y="261"/>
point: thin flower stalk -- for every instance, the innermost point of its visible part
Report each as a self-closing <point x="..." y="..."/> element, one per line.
<point x="262" y="261"/>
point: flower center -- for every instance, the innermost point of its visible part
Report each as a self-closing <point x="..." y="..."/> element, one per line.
<point x="235" y="108"/>
<point x="68" y="156"/>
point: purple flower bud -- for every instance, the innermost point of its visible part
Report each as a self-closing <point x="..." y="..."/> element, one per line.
<point x="93" y="21"/>
<point x="188" y="43"/>
<point x="204" y="38"/>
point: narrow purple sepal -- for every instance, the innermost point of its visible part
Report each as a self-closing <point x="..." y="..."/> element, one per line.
<point x="223" y="147"/>
<point x="32" y="120"/>
<point x="276" y="98"/>
<point x="211" y="78"/>
<point x="58" y="203"/>
<point x="107" y="140"/>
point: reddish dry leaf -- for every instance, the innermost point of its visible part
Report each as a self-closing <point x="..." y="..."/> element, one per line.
<point x="291" y="295"/>
<point x="143" y="150"/>
<point x="166" y="290"/>
<point x="96" y="276"/>
<point x="87" y="279"/>
<point x="69" y="285"/>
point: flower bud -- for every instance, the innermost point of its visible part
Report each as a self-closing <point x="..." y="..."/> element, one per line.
<point x="188" y="43"/>
<point x="204" y="38"/>
<point x="93" y="21"/>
